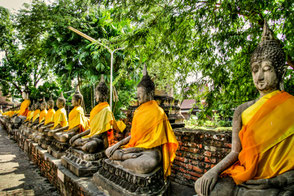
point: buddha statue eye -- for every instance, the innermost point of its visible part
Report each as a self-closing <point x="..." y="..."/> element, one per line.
<point x="266" y="68"/>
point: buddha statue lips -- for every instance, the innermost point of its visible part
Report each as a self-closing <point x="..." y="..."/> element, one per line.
<point x="262" y="155"/>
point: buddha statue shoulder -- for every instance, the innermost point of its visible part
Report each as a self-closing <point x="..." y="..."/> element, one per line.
<point x="262" y="154"/>
<point x="152" y="142"/>
<point x="101" y="120"/>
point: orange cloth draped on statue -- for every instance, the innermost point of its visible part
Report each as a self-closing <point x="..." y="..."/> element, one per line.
<point x="49" y="116"/>
<point x="267" y="140"/>
<point x="102" y="120"/>
<point x="60" y="118"/>
<point x="9" y="113"/>
<point x="42" y="116"/>
<point x="77" y="118"/>
<point x="151" y="128"/>
<point x="23" y="111"/>
<point x="36" y="115"/>
<point x="30" y="115"/>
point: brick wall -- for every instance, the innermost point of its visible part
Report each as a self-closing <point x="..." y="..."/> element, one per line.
<point x="199" y="150"/>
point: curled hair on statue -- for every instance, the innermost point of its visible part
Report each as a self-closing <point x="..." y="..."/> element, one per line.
<point x="61" y="99"/>
<point x="103" y="90"/>
<point x="269" y="49"/>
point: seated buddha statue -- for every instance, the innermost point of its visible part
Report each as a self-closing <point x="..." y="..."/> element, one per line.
<point x="101" y="120"/>
<point x="24" y="108"/>
<point x="49" y="118"/>
<point x="262" y="155"/>
<point x="76" y="119"/>
<point x="35" y="119"/>
<point x="60" y="117"/>
<point x="152" y="141"/>
<point x="42" y="117"/>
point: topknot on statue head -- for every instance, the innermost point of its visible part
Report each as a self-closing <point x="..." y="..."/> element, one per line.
<point x="146" y="82"/>
<point x="270" y="49"/>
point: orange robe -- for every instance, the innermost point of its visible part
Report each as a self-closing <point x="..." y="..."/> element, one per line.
<point x="77" y="118"/>
<point x="23" y="111"/>
<point x="102" y="120"/>
<point x="49" y="116"/>
<point x="267" y="139"/>
<point x="36" y="115"/>
<point x="60" y="118"/>
<point x="42" y="116"/>
<point x="151" y="128"/>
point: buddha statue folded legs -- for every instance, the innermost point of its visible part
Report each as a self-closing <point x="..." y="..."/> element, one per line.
<point x="262" y="156"/>
<point x="147" y="153"/>
<point x="85" y="155"/>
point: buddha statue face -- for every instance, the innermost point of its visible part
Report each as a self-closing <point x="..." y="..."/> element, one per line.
<point x="25" y="95"/>
<point x="60" y="103"/>
<point x="76" y="100"/>
<point x="50" y="104"/>
<point x="143" y="95"/>
<point x="43" y="106"/>
<point x="264" y="76"/>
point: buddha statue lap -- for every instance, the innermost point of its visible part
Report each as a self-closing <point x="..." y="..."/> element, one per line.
<point x="141" y="163"/>
<point x="85" y="156"/>
<point x="60" y="124"/>
<point x="48" y="123"/>
<point x="261" y="159"/>
<point x="35" y="121"/>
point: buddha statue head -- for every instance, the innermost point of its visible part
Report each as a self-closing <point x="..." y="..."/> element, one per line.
<point x="77" y="98"/>
<point x="145" y="88"/>
<point x="32" y="106"/>
<point x="268" y="63"/>
<point x="37" y="105"/>
<point x="61" y="101"/>
<point x="101" y="91"/>
<point x="50" y="103"/>
<point x="25" y="94"/>
<point x="43" y="104"/>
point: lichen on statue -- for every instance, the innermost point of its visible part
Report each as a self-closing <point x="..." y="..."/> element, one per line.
<point x="101" y="120"/>
<point x="261" y="159"/>
<point x="152" y="142"/>
<point x="77" y="120"/>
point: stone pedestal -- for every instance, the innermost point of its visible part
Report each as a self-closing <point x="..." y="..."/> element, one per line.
<point x="57" y="149"/>
<point x="118" y="181"/>
<point x="82" y="164"/>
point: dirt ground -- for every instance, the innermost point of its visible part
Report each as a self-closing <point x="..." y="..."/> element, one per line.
<point x="19" y="176"/>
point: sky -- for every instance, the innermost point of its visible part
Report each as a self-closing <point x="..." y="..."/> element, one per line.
<point x="13" y="5"/>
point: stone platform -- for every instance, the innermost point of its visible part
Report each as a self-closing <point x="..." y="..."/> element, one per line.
<point x="81" y="163"/>
<point x="118" y="181"/>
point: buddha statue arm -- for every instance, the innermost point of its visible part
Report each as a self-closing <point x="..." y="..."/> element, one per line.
<point x="49" y="125"/>
<point x="58" y="128"/>
<point x="71" y="141"/>
<point x="110" y="150"/>
<point x="206" y="183"/>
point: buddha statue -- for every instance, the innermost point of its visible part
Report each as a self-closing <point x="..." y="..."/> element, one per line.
<point x="261" y="159"/>
<point x="37" y="111"/>
<point x="48" y="123"/>
<point x="42" y="117"/>
<point x="77" y="120"/>
<point x="21" y="115"/>
<point x="60" y="120"/>
<point x="88" y="147"/>
<point x="101" y="120"/>
<point x="150" y="148"/>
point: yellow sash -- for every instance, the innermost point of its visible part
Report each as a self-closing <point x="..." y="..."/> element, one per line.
<point x="49" y="116"/>
<point x="42" y="116"/>
<point x="151" y="128"/>
<point x="60" y="118"/>
<point x="267" y="139"/>
<point x="23" y="111"/>
<point x="36" y="115"/>
<point x="77" y="118"/>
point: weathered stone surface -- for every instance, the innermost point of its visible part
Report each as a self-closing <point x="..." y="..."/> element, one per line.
<point x="81" y="163"/>
<point x="119" y="181"/>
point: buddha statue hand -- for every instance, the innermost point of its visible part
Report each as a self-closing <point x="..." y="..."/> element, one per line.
<point x="110" y="150"/>
<point x="206" y="183"/>
<point x="122" y="155"/>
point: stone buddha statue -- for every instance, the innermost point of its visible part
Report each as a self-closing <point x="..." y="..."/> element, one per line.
<point x="42" y="117"/>
<point x="101" y="120"/>
<point x="149" y="149"/>
<point x="48" y="123"/>
<point x="262" y="155"/>
<point x="77" y="120"/>
<point x="37" y="111"/>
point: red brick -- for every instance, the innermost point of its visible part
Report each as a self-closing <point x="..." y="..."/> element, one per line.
<point x="207" y="153"/>
<point x="206" y="160"/>
<point x="194" y="174"/>
<point x="197" y="169"/>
